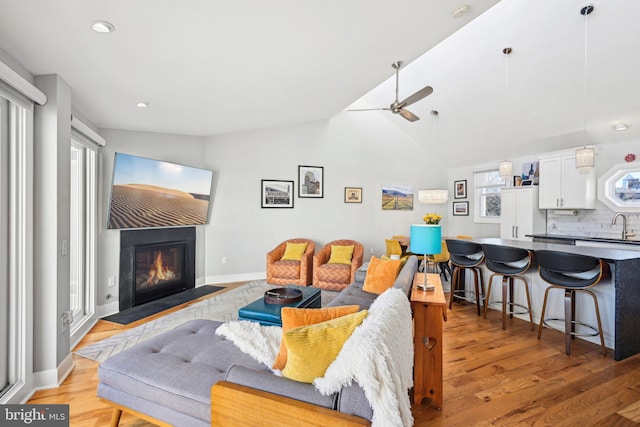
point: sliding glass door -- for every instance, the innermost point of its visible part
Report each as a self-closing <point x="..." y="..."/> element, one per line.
<point x="16" y="124"/>
<point x="4" y="247"/>
<point x="83" y="231"/>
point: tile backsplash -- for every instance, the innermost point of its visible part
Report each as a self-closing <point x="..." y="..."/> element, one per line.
<point x="593" y="223"/>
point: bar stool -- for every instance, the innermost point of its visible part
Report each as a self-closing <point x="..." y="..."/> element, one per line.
<point x="509" y="263"/>
<point x="466" y="255"/>
<point x="572" y="273"/>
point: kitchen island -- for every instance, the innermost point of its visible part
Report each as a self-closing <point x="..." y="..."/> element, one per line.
<point x="624" y="299"/>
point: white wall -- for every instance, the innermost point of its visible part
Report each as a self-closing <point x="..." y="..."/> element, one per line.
<point x="356" y="150"/>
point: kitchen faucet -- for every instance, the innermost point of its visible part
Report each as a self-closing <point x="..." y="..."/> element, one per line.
<point x="625" y="234"/>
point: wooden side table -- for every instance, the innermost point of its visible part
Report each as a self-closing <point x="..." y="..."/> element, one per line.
<point x="429" y="311"/>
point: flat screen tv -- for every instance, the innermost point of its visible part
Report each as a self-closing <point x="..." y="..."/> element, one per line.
<point x="147" y="193"/>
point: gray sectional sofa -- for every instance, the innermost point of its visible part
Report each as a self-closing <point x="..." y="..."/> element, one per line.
<point x="169" y="377"/>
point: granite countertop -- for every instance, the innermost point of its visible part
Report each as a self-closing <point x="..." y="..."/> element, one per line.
<point x="571" y="239"/>
<point x="608" y="254"/>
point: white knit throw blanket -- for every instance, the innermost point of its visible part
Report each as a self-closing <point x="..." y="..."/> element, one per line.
<point x="378" y="356"/>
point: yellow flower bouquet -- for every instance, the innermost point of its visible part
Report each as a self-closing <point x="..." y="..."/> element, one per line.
<point x="432" y="218"/>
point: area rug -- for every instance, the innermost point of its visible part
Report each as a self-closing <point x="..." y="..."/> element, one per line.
<point x="138" y="312"/>
<point x="222" y="307"/>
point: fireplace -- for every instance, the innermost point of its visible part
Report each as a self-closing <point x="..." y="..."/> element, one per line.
<point x="155" y="263"/>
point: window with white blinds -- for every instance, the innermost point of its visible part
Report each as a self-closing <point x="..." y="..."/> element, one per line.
<point x="487" y="185"/>
<point x="16" y="193"/>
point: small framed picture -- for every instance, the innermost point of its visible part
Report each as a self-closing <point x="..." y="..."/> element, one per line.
<point x="460" y="208"/>
<point x="353" y="194"/>
<point x="525" y="182"/>
<point x="310" y="181"/>
<point x="277" y="194"/>
<point x="460" y="189"/>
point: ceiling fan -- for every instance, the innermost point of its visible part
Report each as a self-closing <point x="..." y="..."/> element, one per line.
<point x="398" y="107"/>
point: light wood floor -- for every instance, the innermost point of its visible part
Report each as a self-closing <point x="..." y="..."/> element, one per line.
<point x="492" y="378"/>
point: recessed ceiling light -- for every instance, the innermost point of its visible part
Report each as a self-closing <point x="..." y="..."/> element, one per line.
<point x="619" y="127"/>
<point x="142" y="104"/>
<point x="461" y="11"/>
<point x="102" y="27"/>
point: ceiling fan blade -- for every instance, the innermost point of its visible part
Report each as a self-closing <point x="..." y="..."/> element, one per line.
<point x="422" y="93"/>
<point x="408" y="115"/>
<point x="371" y="109"/>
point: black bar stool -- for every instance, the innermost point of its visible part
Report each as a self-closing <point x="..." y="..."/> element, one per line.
<point x="509" y="263"/>
<point x="572" y="273"/>
<point x="466" y="255"/>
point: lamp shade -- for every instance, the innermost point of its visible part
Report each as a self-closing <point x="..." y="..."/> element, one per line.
<point x="506" y="169"/>
<point x="426" y="239"/>
<point x="433" y="196"/>
<point x="585" y="159"/>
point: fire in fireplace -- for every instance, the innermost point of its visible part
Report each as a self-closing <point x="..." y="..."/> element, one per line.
<point x="155" y="263"/>
<point x="158" y="270"/>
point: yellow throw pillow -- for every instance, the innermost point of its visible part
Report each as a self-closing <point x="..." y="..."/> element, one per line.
<point x="294" y="251"/>
<point x="311" y="349"/>
<point x="341" y="254"/>
<point x="294" y="317"/>
<point x="381" y="275"/>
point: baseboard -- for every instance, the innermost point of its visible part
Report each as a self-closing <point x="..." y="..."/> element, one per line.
<point x="107" y="309"/>
<point x="52" y="378"/>
<point x="231" y="278"/>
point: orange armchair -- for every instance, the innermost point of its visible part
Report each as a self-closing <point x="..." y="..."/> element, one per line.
<point x="335" y="277"/>
<point x="290" y="272"/>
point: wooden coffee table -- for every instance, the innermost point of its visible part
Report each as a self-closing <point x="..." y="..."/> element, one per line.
<point x="269" y="314"/>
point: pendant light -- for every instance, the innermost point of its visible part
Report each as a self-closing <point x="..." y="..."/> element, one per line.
<point x="506" y="166"/>
<point x="433" y="196"/>
<point x="585" y="156"/>
<point x="506" y="170"/>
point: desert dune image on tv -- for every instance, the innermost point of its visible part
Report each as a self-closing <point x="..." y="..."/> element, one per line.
<point x="153" y="193"/>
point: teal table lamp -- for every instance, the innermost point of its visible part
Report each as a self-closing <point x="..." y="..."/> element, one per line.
<point x="426" y="239"/>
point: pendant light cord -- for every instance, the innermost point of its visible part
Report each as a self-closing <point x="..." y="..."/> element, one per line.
<point x="584" y="88"/>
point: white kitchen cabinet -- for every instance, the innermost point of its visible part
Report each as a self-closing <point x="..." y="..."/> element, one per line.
<point x="562" y="186"/>
<point x="519" y="213"/>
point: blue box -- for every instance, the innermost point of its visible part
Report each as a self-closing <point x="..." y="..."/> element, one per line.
<point x="269" y="314"/>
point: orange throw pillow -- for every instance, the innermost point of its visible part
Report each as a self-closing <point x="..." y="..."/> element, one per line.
<point x="294" y="317"/>
<point x="381" y="275"/>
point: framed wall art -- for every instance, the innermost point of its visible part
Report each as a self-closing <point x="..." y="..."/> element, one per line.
<point x="397" y="197"/>
<point x="277" y="193"/>
<point x="311" y="179"/>
<point x="460" y="208"/>
<point x="353" y="194"/>
<point x="460" y="189"/>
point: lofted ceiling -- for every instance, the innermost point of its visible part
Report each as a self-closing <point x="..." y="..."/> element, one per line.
<point x="535" y="99"/>
<point x="209" y="67"/>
